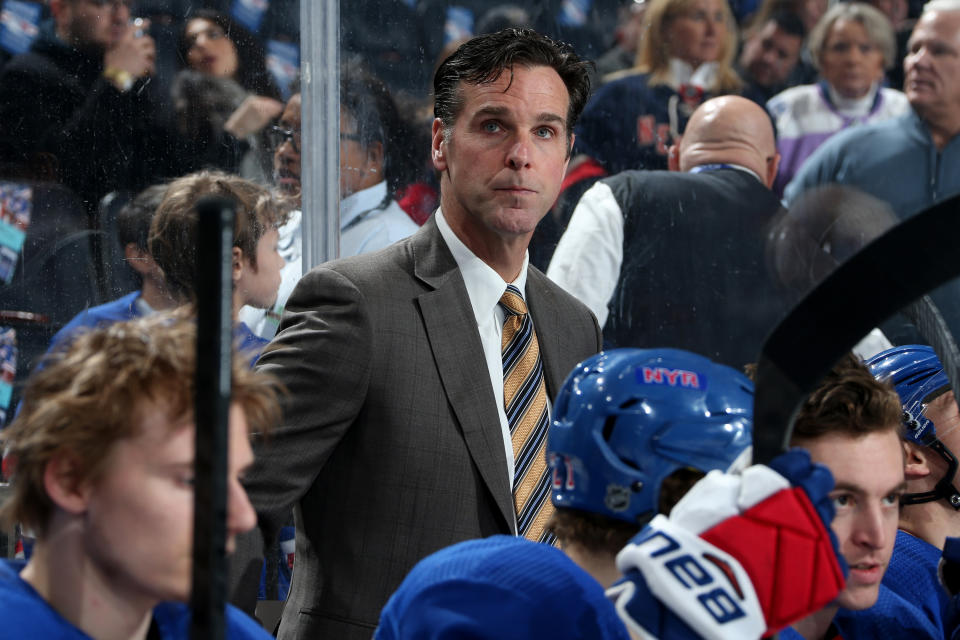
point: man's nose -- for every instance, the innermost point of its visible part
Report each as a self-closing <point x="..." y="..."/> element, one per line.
<point x="518" y="155"/>
<point x="871" y="528"/>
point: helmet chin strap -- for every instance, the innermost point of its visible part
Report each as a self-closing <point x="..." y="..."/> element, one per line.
<point x="944" y="488"/>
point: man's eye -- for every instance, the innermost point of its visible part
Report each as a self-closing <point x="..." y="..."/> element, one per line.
<point x="545" y="132"/>
<point x="491" y="126"/>
<point x="842" y="500"/>
<point x="892" y="500"/>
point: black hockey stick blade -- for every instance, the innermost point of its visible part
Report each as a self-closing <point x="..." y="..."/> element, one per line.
<point x="911" y="259"/>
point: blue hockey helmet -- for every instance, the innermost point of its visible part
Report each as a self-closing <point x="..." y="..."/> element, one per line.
<point x="917" y="375"/>
<point x="626" y="419"/>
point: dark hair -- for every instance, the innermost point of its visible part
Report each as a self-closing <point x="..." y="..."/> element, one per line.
<point x="133" y="220"/>
<point x="601" y="534"/>
<point x="788" y="22"/>
<point x="369" y="103"/>
<point x="850" y="401"/>
<point x="592" y="531"/>
<point x="483" y="59"/>
<point x="252" y="72"/>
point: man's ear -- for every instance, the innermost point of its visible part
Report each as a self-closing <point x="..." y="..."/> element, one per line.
<point x="375" y="157"/>
<point x="61" y="484"/>
<point x="673" y="157"/>
<point x="438" y="147"/>
<point x="773" y="165"/>
<point x="237" y="264"/>
<point x="916" y="461"/>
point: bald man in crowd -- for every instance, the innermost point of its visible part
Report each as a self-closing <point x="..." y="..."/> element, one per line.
<point x="675" y="259"/>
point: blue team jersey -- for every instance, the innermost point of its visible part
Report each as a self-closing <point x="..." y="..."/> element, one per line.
<point x="119" y="310"/>
<point x="24" y="614"/>
<point x="912" y="604"/>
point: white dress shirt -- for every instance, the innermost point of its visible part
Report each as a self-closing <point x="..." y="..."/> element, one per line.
<point x="485" y="288"/>
<point x="368" y="222"/>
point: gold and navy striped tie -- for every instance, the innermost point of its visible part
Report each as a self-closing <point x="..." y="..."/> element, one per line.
<point x="525" y="401"/>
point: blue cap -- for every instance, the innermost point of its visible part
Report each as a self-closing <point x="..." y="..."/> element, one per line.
<point x="499" y="587"/>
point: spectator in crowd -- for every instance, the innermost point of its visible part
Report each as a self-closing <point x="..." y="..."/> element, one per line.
<point x="851" y="46"/>
<point x="929" y="508"/>
<point x="224" y="98"/>
<point x="623" y="450"/>
<point x="623" y="54"/>
<point x="499" y="587"/>
<point x="898" y="13"/>
<point x="214" y="44"/>
<point x="256" y="261"/>
<point x="133" y="230"/>
<point x="684" y="57"/>
<point x="75" y="95"/>
<point x="678" y="258"/>
<point x="851" y="424"/>
<point x="809" y="12"/>
<point x="374" y="164"/>
<point x="770" y="53"/>
<point x="913" y="161"/>
<point x="102" y="454"/>
<point x="395" y="339"/>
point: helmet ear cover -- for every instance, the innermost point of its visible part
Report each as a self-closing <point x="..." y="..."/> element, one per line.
<point x="626" y="419"/>
<point x="918" y="377"/>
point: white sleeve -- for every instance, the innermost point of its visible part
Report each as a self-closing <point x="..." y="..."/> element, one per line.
<point x="587" y="261"/>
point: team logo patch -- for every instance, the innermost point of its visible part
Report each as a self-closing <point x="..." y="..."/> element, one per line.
<point x="617" y="498"/>
<point x="671" y="377"/>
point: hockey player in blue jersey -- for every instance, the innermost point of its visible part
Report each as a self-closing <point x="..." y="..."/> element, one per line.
<point x="632" y="431"/>
<point x="931" y="507"/>
<point x="623" y="448"/>
<point x="102" y="453"/>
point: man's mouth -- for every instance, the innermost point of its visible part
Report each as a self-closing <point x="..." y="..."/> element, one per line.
<point x="866" y="572"/>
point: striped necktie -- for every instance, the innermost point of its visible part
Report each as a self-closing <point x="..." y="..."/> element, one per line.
<point x="525" y="401"/>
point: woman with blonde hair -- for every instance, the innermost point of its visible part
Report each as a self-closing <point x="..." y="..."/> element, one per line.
<point x="685" y="56"/>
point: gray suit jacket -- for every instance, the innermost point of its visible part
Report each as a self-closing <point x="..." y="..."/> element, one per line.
<point x="390" y="447"/>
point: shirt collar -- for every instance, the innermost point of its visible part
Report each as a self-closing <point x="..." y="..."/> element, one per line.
<point x="484" y="285"/>
<point x="361" y="202"/>
<point x="704" y="76"/>
<point x="724" y="165"/>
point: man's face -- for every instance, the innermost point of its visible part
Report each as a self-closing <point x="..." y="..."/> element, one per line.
<point x="361" y="165"/>
<point x="92" y="24"/>
<point x="770" y="55"/>
<point x="932" y="65"/>
<point x="286" y="157"/>
<point x="868" y="476"/>
<point x="505" y="157"/>
<point x="139" y="531"/>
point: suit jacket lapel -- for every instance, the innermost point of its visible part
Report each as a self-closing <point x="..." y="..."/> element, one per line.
<point x="452" y="332"/>
<point x="548" y="324"/>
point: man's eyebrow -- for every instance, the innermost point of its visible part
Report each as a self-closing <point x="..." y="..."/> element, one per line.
<point x="492" y="110"/>
<point x="550" y="117"/>
<point x="854" y="488"/>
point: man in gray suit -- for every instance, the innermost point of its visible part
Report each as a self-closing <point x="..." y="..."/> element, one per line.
<point x="395" y="440"/>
